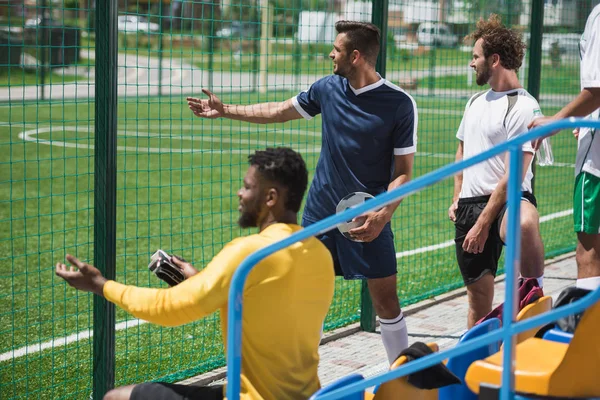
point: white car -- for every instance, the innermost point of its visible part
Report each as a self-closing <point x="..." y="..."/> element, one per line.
<point x="436" y="34"/>
<point x="134" y="23"/>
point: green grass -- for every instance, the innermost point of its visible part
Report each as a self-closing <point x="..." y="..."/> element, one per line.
<point x="562" y="80"/>
<point x="20" y="77"/>
<point x="183" y="202"/>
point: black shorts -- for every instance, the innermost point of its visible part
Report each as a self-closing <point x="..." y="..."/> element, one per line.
<point x="168" y="391"/>
<point x="357" y="260"/>
<point x="474" y="266"/>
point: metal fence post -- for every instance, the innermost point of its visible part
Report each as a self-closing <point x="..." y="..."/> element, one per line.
<point x="380" y="19"/>
<point x="534" y="74"/>
<point x="160" y="46"/>
<point x="105" y="177"/>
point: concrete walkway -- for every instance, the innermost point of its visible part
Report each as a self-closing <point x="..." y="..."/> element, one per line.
<point x="441" y="319"/>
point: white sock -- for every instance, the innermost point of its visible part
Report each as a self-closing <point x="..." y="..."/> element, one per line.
<point x="394" y="336"/>
<point x="592" y="283"/>
<point x="539" y="279"/>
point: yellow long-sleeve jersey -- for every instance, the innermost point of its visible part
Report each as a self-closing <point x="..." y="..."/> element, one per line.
<point x="286" y="299"/>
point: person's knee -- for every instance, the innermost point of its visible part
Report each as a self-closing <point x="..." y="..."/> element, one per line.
<point x="588" y="251"/>
<point x="386" y="305"/>
<point x="385" y="298"/>
<point x="120" y="393"/>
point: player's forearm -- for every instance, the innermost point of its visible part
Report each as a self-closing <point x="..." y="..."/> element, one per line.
<point x="166" y="307"/>
<point x="261" y="113"/>
<point x="458" y="178"/>
<point x="388" y="211"/>
<point x="583" y="105"/>
<point x="494" y="205"/>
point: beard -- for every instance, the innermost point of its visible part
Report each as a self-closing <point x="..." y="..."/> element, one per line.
<point x="483" y="76"/>
<point x="248" y="219"/>
<point x="344" y="68"/>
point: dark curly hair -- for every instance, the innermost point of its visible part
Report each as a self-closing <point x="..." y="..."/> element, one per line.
<point x="285" y="167"/>
<point x="498" y="39"/>
<point x="362" y="36"/>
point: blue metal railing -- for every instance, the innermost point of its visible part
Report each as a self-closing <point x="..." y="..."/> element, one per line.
<point x="506" y="333"/>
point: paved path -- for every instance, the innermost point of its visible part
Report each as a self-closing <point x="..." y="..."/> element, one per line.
<point x="139" y="76"/>
<point x="441" y="319"/>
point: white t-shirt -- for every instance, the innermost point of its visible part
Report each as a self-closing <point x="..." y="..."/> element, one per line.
<point x="488" y="122"/>
<point x="588" y="148"/>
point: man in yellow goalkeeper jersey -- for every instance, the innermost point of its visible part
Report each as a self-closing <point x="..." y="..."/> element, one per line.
<point x="286" y="296"/>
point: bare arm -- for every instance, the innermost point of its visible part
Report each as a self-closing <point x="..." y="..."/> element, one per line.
<point x="374" y="221"/>
<point x="584" y="104"/>
<point x="458" y="179"/>
<point x="261" y="113"/>
<point x="403" y="168"/>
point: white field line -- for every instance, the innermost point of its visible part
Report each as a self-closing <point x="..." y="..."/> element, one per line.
<point x="449" y="243"/>
<point x="36" y="348"/>
<point x="30" y="136"/>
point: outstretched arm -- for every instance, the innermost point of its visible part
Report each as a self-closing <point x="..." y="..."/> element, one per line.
<point x="261" y="113"/>
<point x="584" y="104"/>
<point x="189" y="301"/>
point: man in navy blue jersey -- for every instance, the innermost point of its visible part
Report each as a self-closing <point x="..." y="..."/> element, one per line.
<point x="369" y="138"/>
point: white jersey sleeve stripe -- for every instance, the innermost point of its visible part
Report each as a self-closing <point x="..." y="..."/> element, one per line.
<point x="405" y="150"/>
<point x="416" y="119"/>
<point x="300" y="110"/>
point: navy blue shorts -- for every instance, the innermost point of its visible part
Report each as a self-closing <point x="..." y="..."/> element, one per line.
<point x="355" y="260"/>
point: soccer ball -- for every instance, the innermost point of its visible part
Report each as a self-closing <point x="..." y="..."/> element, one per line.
<point x="350" y="201"/>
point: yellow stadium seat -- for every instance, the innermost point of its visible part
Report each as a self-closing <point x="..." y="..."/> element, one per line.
<point x="400" y="388"/>
<point x="546" y="368"/>
<point x="540" y="306"/>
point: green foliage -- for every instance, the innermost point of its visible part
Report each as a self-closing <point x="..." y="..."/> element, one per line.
<point x="71" y="4"/>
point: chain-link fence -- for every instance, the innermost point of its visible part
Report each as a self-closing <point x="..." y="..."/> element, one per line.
<point x="177" y="176"/>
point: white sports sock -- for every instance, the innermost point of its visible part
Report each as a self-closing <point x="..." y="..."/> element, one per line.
<point x="540" y="280"/>
<point x="588" y="283"/>
<point x="394" y="336"/>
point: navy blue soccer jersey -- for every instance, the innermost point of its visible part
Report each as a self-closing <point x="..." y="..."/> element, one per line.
<point x="362" y="130"/>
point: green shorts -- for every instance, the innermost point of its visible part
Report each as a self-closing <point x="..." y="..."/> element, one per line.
<point x="586" y="203"/>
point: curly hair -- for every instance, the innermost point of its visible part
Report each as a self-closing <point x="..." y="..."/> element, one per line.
<point x="498" y="39"/>
<point x="285" y="167"/>
<point x="362" y="36"/>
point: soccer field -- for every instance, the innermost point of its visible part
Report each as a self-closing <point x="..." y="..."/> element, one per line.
<point x="177" y="183"/>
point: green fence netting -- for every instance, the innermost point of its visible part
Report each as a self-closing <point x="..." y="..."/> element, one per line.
<point x="177" y="176"/>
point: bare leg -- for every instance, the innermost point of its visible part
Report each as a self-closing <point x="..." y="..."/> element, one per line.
<point x="384" y="295"/>
<point x="481" y="296"/>
<point x="394" y="334"/>
<point x="532" y="248"/>
<point x="588" y="255"/>
<point x="120" y="393"/>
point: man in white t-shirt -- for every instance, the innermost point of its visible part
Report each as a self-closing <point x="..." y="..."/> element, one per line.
<point x="586" y="201"/>
<point x="479" y="204"/>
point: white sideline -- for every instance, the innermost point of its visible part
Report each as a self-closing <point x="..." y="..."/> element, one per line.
<point x="449" y="243"/>
<point x="38" y="347"/>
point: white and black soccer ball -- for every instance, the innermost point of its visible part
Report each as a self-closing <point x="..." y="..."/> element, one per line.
<point x="351" y="200"/>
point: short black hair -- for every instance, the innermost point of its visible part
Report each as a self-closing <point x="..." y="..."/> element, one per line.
<point x="285" y="167"/>
<point x="362" y="36"/>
